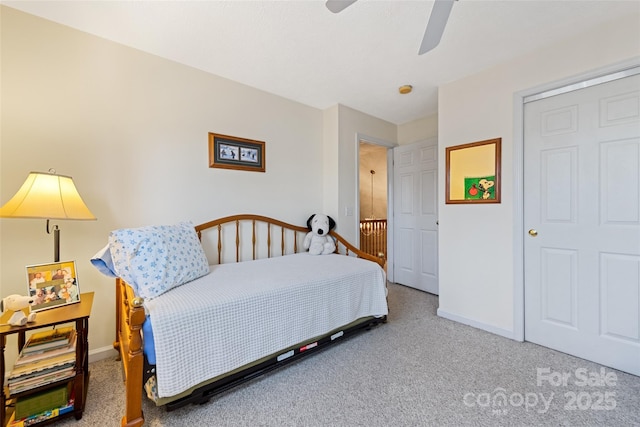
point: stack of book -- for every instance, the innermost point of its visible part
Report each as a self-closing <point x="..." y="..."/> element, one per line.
<point x="46" y="357"/>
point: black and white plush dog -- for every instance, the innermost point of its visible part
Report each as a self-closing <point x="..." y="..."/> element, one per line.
<point x="318" y="241"/>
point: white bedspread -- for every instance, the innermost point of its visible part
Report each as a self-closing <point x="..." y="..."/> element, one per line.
<point x="241" y="312"/>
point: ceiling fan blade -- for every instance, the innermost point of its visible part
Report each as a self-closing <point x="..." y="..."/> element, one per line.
<point x="336" y="6"/>
<point x="435" y="27"/>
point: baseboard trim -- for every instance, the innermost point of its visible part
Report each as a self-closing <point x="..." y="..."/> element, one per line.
<point x="102" y="353"/>
<point x="476" y="324"/>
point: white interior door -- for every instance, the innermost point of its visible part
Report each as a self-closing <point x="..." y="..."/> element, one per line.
<point x="582" y="213"/>
<point x="415" y="223"/>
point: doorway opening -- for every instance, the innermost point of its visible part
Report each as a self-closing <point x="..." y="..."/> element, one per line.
<point x="373" y="199"/>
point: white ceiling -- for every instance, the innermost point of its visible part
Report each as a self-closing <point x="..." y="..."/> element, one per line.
<point x="358" y="58"/>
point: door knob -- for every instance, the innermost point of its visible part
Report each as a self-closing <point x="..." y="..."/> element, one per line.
<point x="533" y="233"/>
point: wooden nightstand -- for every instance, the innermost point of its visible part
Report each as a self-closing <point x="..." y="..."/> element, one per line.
<point x="78" y="313"/>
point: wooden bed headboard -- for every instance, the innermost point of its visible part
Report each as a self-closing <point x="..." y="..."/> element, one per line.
<point x="248" y="237"/>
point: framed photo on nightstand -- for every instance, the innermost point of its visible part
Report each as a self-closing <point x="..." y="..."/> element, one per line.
<point x="53" y="285"/>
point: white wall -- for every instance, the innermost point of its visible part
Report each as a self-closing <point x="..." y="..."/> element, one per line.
<point x="477" y="277"/>
<point x="350" y="123"/>
<point x="131" y="129"/>
<point x="330" y="153"/>
<point x="418" y="130"/>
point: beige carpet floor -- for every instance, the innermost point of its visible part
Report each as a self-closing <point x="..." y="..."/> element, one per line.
<point x="416" y="370"/>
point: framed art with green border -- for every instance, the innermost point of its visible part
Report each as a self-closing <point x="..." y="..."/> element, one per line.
<point x="473" y="172"/>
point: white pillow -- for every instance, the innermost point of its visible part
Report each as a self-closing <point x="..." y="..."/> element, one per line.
<point x="155" y="259"/>
<point x="103" y="262"/>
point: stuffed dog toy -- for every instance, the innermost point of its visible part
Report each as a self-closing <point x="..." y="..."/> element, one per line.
<point x="16" y="303"/>
<point x="318" y="241"/>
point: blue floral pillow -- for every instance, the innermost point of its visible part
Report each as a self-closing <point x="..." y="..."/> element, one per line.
<point x="155" y="259"/>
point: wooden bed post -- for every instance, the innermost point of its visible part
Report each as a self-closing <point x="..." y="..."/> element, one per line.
<point x="130" y="346"/>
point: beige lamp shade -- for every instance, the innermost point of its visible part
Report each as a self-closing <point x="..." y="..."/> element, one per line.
<point x="48" y="196"/>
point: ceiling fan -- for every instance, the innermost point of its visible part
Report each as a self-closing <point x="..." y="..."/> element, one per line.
<point x="435" y="26"/>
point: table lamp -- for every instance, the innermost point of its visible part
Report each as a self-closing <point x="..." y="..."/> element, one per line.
<point x="49" y="196"/>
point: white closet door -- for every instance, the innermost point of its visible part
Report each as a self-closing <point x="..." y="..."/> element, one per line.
<point x="582" y="215"/>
